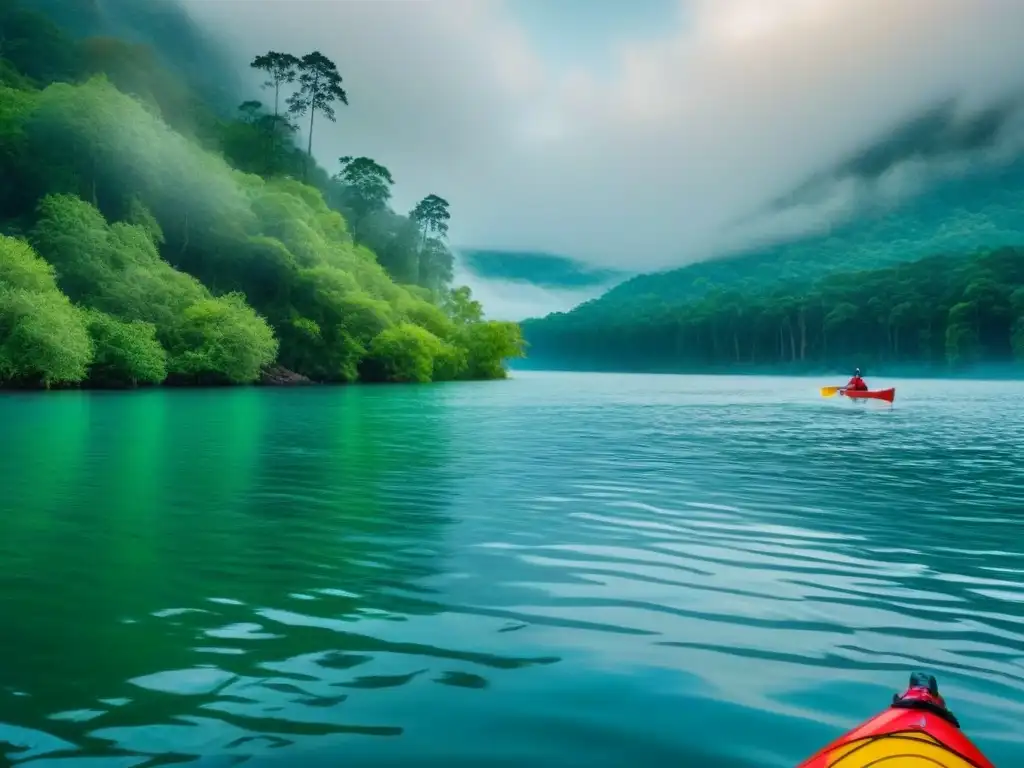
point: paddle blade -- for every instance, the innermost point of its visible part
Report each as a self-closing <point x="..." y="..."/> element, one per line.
<point x="829" y="391"/>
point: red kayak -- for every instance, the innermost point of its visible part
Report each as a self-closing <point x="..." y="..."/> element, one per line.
<point x="879" y="394"/>
<point x="917" y="731"/>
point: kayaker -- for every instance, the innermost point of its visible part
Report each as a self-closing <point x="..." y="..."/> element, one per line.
<point x="857" y="384"/>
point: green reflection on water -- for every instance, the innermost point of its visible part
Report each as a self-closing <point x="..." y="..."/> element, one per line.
<point x="149" y="530"/>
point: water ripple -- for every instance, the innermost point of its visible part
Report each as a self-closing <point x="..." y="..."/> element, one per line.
<point x="601" y="570"/>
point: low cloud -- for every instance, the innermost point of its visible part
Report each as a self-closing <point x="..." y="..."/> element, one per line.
<point x="752" y="119"/>
<point x="518" y="300"/>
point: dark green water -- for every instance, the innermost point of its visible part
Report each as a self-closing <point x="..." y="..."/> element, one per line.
<point x="557" y="570"/>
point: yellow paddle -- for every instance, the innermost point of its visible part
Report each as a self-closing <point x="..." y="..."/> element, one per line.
<point x="830" y="391"/>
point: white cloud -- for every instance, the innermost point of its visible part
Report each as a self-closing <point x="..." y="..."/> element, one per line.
<point x="652" y="166"/>
<point x="518" y="300"/>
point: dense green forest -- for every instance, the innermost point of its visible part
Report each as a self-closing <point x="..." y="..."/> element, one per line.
<point x="148" y="236"/>
<point x="941" y="311"/>
<point x="931" y="283"/>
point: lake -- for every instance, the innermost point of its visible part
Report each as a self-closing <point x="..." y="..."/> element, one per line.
<point x="557" y="570"/>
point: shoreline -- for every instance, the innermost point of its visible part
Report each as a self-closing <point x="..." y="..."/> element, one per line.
<point x="276" y="378"/>
<point x="992" y="372"/>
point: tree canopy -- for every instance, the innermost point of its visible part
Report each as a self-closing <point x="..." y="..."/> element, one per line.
<point x="281" y="69"/>
<point x="319" y="90"/>
<point x="151" y="240"/>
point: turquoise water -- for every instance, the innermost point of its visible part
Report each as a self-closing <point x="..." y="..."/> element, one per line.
<point x="555" y="570"/>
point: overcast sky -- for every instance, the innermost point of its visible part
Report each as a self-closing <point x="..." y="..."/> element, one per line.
<point x="633" y="133"/>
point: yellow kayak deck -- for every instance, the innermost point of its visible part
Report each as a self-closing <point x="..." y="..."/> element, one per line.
<point x="909" y="749"/>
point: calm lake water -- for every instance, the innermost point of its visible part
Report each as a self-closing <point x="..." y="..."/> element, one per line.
<point x="558" y="570"/>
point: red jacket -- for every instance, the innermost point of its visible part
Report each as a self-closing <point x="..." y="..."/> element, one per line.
<point x="857" y="384"/>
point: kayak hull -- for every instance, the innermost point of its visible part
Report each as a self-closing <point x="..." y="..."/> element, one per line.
<point x="917" y="731"/>
<point x="901" y="738"/>
<point x="888" y="395"/>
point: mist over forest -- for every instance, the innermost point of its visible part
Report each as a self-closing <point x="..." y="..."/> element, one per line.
<point x="245" y="211"/>
<point x="158" y="229"/>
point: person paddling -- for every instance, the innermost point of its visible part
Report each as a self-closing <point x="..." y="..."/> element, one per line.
<point x="857" y="384"/>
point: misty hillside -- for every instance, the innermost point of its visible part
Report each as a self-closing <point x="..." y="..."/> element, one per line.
<point x="957" y="217"/>
<point x="799" y="298"/>
<point x="149" y="238"/>
<point x="166" y="29"/>
<point x="970" y="198"/>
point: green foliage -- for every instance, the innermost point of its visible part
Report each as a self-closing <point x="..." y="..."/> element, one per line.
<point x="404" y="353"/>
<point x="462" y="307"/>
<point x="199" y="60"/>
<point x="21" y="268"/>
<point x="1017" y="334"/>
<point x="650" y="321"/>
<point x="962" y="334"/>
<point x="126" y="353"/>
<point x="319" y="90"/>
<point x="402" y="244"/>
<point x="43" y="337"/>
<point x="451" y="362"/>
<point x="16" y="179"/>
<point x="395" y="241"/>
<point x="134" y="70"/>
<point x="369" y="183"/>
<point x="224" y="341"/>
<point x="12" y="78"/>
<point x="488" y="345"/>
<point x="281" y="69"/>
<point x="261" y="143"/>
<point x="436" y="266"/>
<point x="117" y="269"/>
<point x="936" y="312"/>
<point x="203" y="266"/>
<point x="35" y="47"/>
<point x="431" y="215"/>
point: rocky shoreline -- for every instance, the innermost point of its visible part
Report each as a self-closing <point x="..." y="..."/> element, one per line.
<point x="279" y="376"/>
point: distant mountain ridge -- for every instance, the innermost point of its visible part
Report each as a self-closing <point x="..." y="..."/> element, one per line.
<point x="934" y="283"/>
<point x="982" y="211"/>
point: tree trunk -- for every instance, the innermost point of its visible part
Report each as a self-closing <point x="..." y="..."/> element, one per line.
<point x="803" y="334"/>
<point x="309" y="146"/>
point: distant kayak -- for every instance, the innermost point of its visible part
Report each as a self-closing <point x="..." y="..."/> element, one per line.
<point x="916" y="731"/>
<point x="880" y="394"/>
<point x="888" y="395"/>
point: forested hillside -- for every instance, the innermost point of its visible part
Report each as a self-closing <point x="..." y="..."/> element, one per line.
<point x="936" y="312"/>
<point x="147" y="237"/>
<point x="933" y="283"/>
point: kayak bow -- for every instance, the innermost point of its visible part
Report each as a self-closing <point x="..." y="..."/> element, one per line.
<point x="880" y="394"/>
<point x="917" y="731"/>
